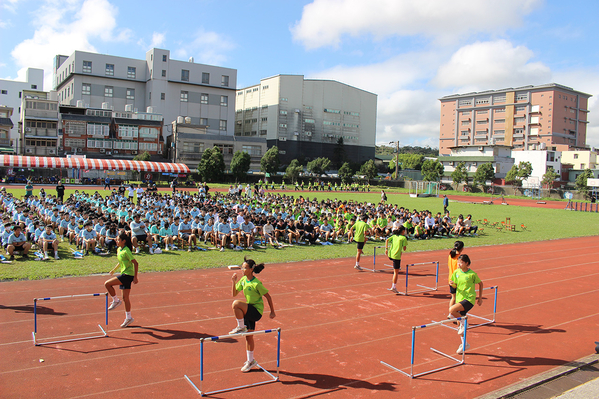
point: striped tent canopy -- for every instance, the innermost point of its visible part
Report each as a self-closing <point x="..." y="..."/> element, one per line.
<point x="18" y="161"/>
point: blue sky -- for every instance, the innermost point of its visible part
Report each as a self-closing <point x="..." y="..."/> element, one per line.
<point x="410" y="53"/>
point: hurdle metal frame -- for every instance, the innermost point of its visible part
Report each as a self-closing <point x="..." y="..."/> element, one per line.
<point x="272" y="377"/>
<point x="457" y="361"/>
<point x="485" y="321"/>
<point x="34" y="333"/>
<point x="406" y="292"/>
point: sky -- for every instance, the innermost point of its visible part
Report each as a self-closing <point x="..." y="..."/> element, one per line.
<point x="409" y="53"/>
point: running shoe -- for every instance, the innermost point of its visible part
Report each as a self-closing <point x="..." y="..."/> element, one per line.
<point x="127" y="322"/>
<point x="357" y="267"/>
<point x="115" y="304"/>
<point x="56" y="257"/>
<point x="222" y="249"/>
<point x="394" y="290"/>
<point x="238" y="330"/>
<point x="137" y="250"/>
<point x="461" y="350"/>
<point x="247" y="366"/>
<point x="151" y="251"/>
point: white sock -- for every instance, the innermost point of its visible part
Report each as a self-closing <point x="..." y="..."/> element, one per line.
<point x="115" y="298"/>
<point x="392" y="286"/>
<point x="250" y="356"/>
<point x="127" y="315"/>
<point x="240" y="323"/>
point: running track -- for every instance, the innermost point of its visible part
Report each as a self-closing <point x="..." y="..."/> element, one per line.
<point x="337" y="325"/>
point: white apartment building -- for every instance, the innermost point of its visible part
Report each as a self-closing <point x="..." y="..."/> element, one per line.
<point x="499" y="156"/>
<point x="39" y="124"/>
<point x="305" y="118"/>
<point x="11" y="93"/>
<point x="158" y="84"/>
<point x="540" y="160"/>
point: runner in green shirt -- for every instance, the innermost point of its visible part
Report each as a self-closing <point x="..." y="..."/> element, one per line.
<point x="359" y="230"/>
<point x="249" y="312"/>
<point x="394" y="246"/>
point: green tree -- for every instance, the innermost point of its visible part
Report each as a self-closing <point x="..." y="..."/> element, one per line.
<point x="512" y="176"/>
<point x="524" y="170"/>
<point x="318" y="166"/>
<point x="459" y="175"/>
<point x="432" y="170"/>
<point x="339" y="153"/>
<point x="369" y="169"/>
<point x="346" y="173"/>
<point x="518" y="173"/>
<point x="240" y="164"/>
<point x="144" y="156"/>
<point x="484" y="173"/>
<point x="392" y="166"/>
<point x="212" y="165"/>
<point x="549" y="177"/>
<point x="270" y="160"/>
<point x="412" y="161"/>
<point x="581" y="182"/>
<point x="293" y="171"/>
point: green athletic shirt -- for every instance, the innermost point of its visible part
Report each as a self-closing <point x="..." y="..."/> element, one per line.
<point x="465" y="282"/>
<point x="382" y="222"/>
<point x="360" y="228"/>
<point x="396" y="245"/>
<point x="253" y="291"/>
<point x="125" y="257"/>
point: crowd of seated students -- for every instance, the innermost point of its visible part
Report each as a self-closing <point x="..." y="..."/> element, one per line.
<point x="238" y="221"/>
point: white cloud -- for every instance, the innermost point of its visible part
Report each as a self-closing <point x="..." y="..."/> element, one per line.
<point x="325" y="22"/>
<point x="206" y="47"/>
<point x="158" y="39"/>
<point x="491" y="65"/>
<point x="62" y="28"/>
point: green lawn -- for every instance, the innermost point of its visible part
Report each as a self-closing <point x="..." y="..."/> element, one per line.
<point x="542" y="224"/>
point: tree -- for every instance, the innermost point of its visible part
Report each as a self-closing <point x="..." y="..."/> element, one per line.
<point x="459" y="175"/>
<point x="346" y="173"/>
<point x="240" y="164"/>
<point x="512" y="176"/>
<point x="412" y="161"/>
<point x="518" y="173"/>
<point x="524" y="170"/>
<point x="369" y="169"/>
<point x="318" y="166"/>
<point x="270" y="160"/>
<point x="145" y="156"/>
<point x="212" y="165"/>
<point x="581" y="182"/>
<point x="392" y="167"/>
<point x="484" y="173"/>
<point x="432" y="170"/>
<point x="549" y="177"/>
<point x="293" y="170"/>
<point x="339" y="153"/>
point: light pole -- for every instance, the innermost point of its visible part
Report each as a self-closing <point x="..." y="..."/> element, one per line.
<point x="396" y="158"/>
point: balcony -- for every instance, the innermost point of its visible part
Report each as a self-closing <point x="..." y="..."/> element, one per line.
<point x="36" y="132"/>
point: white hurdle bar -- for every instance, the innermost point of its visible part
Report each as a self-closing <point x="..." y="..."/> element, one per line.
<point x="458" y="361"/>
<point x="485" y="321"/>
<point x="272" y="377"/>
<point x="34" y="333"/>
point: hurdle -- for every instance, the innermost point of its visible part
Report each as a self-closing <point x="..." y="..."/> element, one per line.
<point x="34" y="333"/>
<point x="457" y="361"/>
<point x="385" y="266"/>
<point x="484" y="321"/>
<point x="271" y="379"/>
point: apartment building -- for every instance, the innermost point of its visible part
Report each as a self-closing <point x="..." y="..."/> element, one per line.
<point x="11" y="94"/>
<point x="305" y="118"/>
<point x="101" y="132"/>
<point x="549" y="116"/>
<point x="580" y="160"/>
<point x="6" y="125"/>
<point x="156" y="84"/>
<point x="500" y="156"/>
<point x="38" y="124"/>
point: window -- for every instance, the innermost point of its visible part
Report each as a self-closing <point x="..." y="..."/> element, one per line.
<point x="264" y="119"/>
<point x="283" y="112"/>
<point x="128" y="131"/>
<point x="499" y="120"/>
<point x="481" y="133"/>
<point x="481" y="122"/>
<point x="108" y="91"/>
<point x="309" y="121"/>
<point x="184" y="75"/>
<point x="34" y="86"/>
<point x="203" y="98"/>
<point x="4" y="91"/>
<point x="224" y="81"/>
<point x="224" y="101"/>
<point x="464" y="133"/>
<point x="148" y="132"/>
<point x="86" y="88"/>
<point x="87" y="67"/>
<point x="264" y="87"/>
<point x="465" y="123"/>
<point x="226" y="149"/>
<point x="482" y="112"/>
<point x="498" y="99"/>
<point x="164" y="58"/>
<point x="463" y="103"/>
<point x="109" y="69"/>
<point x="131" y="72"/>
<point x="521" y="96"/>
<point x="254" y="150"/>
<point x="332" y="111"/>
<point x="205" y="78"/>
<point x="149" y="95"/>
<point x="164" y="73"/>
<point x="499" y="110"/>
<point x="204" y="121"/>
<point x="130" y="94"/>
<point x="97" y="129"/>
<point x="519" y="120"/>
<point x="162" y="96"/>
<point x="575" y="156"/>
<point x="184" y="96"/>
<point x="482" y="101"/>
<point x="284" y="99"/>
<point x="222" y="124"/>
<point x="262" y="132"/>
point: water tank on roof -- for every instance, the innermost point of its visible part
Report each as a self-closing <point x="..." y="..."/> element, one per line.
<point x="188" y="119"/>
<point x="128" y="107"/>
<point x="80" y="104"/>
<point x="105" y="106"/>
<point x="543" y="146"/>
<point x="180" y="120"/>
<point x="191" y="59"/>
<point x="150" y="110"/>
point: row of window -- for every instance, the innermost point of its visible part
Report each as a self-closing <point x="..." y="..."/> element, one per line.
<point x="44" y="106"/>
<point x="487" y="100"/>
<point x="40" y="124"/>
<point x="40" y="143"/>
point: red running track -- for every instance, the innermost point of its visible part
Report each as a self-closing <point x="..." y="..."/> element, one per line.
<point x="337" y="325"/>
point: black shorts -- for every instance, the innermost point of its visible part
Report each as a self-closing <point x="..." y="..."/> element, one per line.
<point x="251" y="317"/>
<point x="360" y="244"/>
<point x="185" y="236"/>
<point x="396" y="263"/>
<point x="452" y="290"/>
<point x="18" y="247"/>
<point x="142" y="238"/>
<point x="467" y="306"/>
<point x="126" y="281"/>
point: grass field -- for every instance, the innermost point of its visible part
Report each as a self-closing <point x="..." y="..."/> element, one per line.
<point x="541" y="224"/>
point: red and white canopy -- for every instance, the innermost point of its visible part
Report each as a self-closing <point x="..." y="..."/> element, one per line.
<point x="19" y="161"/>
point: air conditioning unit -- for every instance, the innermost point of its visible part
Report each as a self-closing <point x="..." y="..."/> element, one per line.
<point x="481" y="148"/>
<point x="102" y="150"/>
<point x="116" y="152"/>
<point x="134" y="152"/>
<point x="309" y="133"/>
<point x="52" y="151"/>
<point x="159" y="152"/>
<point x="27" y="129"/>
<point x="28" y="150"/>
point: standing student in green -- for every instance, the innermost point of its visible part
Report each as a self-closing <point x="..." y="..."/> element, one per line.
<point x="359" y="230"/>
<point x="394" y="246"/>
